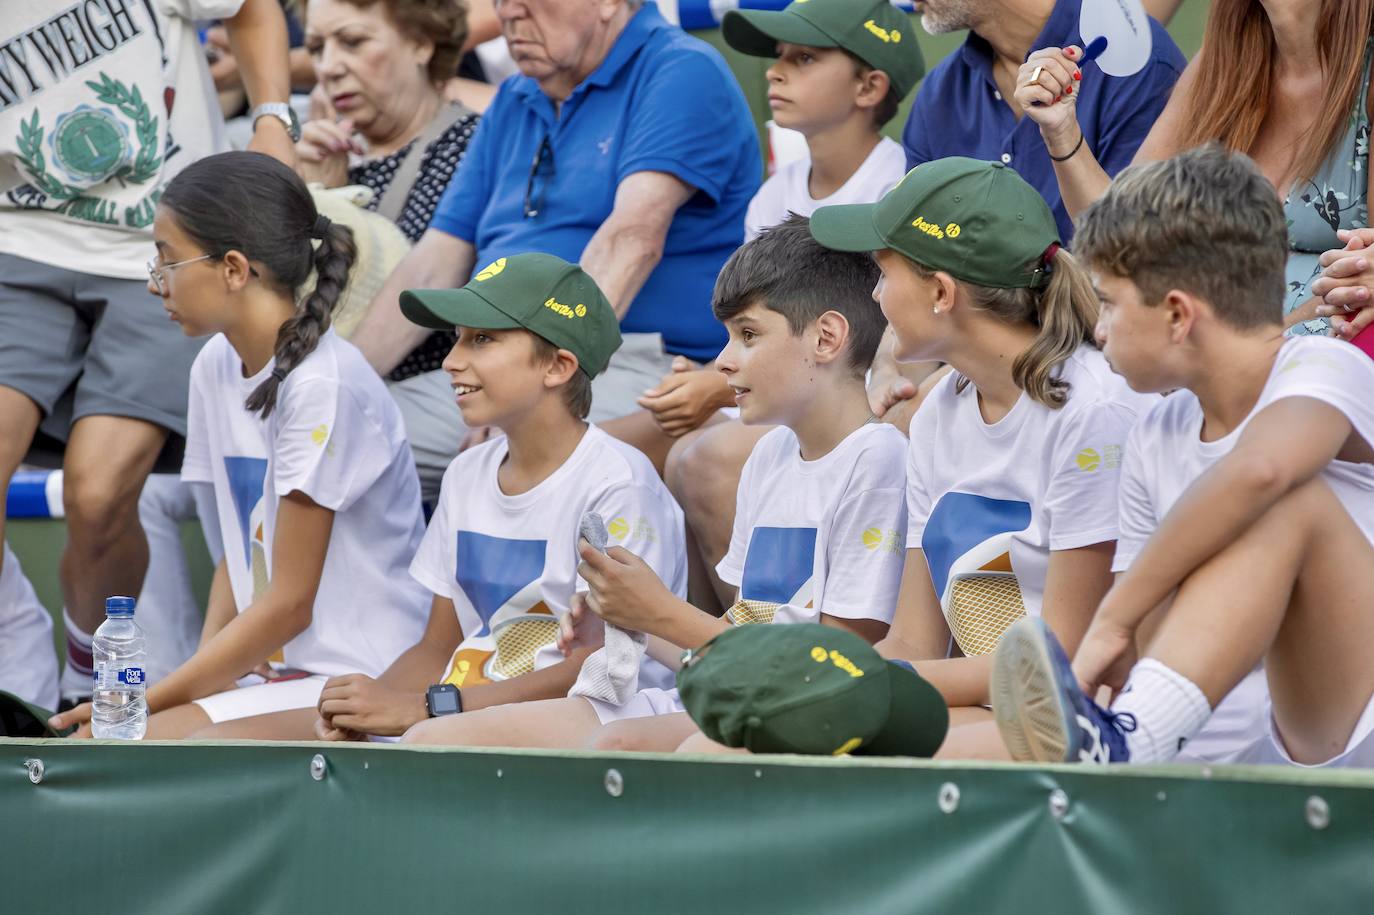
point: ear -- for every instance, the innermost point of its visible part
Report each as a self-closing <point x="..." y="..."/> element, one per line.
<point x="874" y="85"/>
<point x="832" y="337"/>
<point x="236" y="270"/>
<point x="946" y="291"/>
<point x="1181" y="311"/>
<point x="560" y="369"/>
<point x="424" y="53"/>
<point x="608" y="9"/>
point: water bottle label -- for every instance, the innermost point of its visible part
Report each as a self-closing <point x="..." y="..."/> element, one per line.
<point x="118" y="677"/>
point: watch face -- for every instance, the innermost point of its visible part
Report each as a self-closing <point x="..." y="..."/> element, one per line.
<point x="443" y="701"/>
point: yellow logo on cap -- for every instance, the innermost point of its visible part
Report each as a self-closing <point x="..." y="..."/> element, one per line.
<point x="491" y="270"/>
<point x="953" y="230"/>
<point x="888" y="37"/>
<point x="820" y="656"/>
<point x="929" y="228"/>
<point x="848" y="746"/>
<point x="566" y="311"/>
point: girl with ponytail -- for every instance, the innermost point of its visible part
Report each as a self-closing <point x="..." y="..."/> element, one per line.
<point x="1015" y="455"/>
<point x="317" y="495"/>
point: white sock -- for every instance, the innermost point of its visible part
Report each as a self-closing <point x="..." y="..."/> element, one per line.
<point x="1168" y="708"/>
<point x="77" y="672"/>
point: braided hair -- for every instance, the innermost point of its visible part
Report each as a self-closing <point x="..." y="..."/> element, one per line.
<point x="251" y="203"/>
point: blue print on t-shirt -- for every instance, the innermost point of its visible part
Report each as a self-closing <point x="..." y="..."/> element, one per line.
<point x="246" y="475"/>
<point x="960" y="522"/>
<point x="779" y="563"/>
<point x="492" y="570"/>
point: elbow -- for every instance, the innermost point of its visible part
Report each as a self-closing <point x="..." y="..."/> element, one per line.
<point x="296" y="615"/>
<point x="1260" y="477"/>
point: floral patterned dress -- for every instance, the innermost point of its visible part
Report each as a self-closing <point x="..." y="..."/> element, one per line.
<point x="1337" y="197"/>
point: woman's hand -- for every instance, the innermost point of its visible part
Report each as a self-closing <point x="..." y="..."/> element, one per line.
<point x="1047" y="90"/>
<point x="323" y="151"/>
<point x="687" y="397"/>
<point x="1346" y="286"/>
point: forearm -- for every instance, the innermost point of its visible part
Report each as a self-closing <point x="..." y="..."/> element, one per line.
<point x="1307" y="311"/>
<point x="549" y="683"/>
<point x="1081" y="177"/>
<point x="680" y="624"/>
<point x="417" y="668"/>
<point x="302" y="70"/>
<point x="665" y="653"/>
<point x="621" y="261"/>
<point x="246" y="641"/>
<point x="257" y="36"/>
<point x="220" y="608"/>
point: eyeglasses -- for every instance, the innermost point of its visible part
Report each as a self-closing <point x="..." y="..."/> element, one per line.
<point x="155" y="272"/>
<point x="534" y="198"/>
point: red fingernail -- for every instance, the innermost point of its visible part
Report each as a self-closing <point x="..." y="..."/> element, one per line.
<point x="1069" y="90"/>
<point x="1068" y="52"/>
<point x="1077" y="74"/>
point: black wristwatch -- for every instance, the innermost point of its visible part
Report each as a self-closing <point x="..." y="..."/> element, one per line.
<point x="443" y="699"/>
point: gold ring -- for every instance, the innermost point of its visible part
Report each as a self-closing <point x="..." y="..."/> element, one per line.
<point x="1035" y="77"/>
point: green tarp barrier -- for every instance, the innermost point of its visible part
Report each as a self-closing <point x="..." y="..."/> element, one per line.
<point x="236" y="828"/>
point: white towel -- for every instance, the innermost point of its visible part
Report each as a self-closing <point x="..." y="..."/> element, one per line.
<point x="611" y="673"/>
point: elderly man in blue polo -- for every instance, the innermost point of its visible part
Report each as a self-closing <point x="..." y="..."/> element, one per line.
<point x="623" y="144"/>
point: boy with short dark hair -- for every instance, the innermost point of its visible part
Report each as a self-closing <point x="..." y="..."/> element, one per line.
<point x="821" y="504"/>
<point x="1247" y="506"/>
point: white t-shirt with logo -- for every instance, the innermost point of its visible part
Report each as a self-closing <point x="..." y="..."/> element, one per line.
<point x="822" y="536"/>
<point x="789" y="191"/>
<point x="509" y="563"/>
<point x="1036" y="481"/>
<point x="101" y="104"/>
<point x="336" y="436"/>
<point x="1165" y="455"/>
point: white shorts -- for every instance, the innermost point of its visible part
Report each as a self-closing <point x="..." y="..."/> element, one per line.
<point x="262" y="698"/>
<point x="643" y="704"/>
<point x="1237" y="723"/>
<point x="1358" y="753"/>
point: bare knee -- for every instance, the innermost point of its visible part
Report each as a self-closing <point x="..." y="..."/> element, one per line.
<point x="619" y="736"/>
<point x="99" y="506"/>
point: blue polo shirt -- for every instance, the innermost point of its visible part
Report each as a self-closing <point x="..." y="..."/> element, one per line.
<point x="960" y="111"/>
<point x="660" y="101"/>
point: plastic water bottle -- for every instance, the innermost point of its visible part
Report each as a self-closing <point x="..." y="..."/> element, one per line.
<point x="120" y="651"/>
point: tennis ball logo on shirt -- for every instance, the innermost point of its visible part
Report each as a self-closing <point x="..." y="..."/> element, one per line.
<point x="888" y="36"/>
<point x="493" y="269"/>
<point x="319" y="435"/>
<point x="875" y="538"/>
<point x="619" y="528"/>
<point x="623" y="530"/>
<point x="1089" y="460"/>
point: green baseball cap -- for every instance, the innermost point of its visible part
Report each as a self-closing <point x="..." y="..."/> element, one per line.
<point x="978" y="221"/>
<point x="872" y="30"/>
<point x="545" y="295"/>
<point x="812" y="689"/>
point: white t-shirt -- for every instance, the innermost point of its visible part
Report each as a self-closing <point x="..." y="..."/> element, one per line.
<point x="101" y="104"/>
<point x="821" y="536"/>
<point x="511" y="560"/>
<point x="336" y="436"/>
<point x="789" y="191"/>
<point x="1038" y="480"/>
<point x="1165" y="454"/>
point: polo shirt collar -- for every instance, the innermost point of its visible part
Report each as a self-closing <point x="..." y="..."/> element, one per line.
<point x="1060" y="30"/>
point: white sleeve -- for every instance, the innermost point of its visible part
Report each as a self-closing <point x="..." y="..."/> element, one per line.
<point x="1137" y="517"/>
<point x="197" y="10"/>
<point x="640" y="521"/>
<point x="1080" y="502"/>
<point x="436" y="561"/>
<point x="1331" y="371"/>
<point x="731" y="568"/>
<point x="918" y="501"/>
<point x="197" y="465"/>
<point x="864" y="555"/>
<point x="325" y="446"/>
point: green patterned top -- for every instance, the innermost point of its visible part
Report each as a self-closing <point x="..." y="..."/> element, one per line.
<point x="1336" y="197"/>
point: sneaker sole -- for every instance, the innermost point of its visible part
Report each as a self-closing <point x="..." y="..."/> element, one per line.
<point x="1027" y="702"/>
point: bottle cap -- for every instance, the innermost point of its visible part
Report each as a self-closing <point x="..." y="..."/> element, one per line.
<point x="119" y="606"/>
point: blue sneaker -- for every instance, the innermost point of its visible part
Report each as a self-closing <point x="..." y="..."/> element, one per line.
<point x="1041" y="711"/>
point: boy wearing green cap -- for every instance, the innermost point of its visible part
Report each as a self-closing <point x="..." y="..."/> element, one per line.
<point x="500" y="552"/>
<point x="842" y="68"/>
<point x="1015" y="457"/>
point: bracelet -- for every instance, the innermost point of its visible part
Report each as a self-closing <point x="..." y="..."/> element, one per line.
<point x="1071" y="154"/>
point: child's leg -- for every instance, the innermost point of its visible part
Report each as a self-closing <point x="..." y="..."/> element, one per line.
<point x="972" y="738"/>
<point x="1294" y="589"/>
<point x="296" y="724"/>
<point x="700" y="743"/>
<point x="651" y="734"/>
<point x="553" y="724"/>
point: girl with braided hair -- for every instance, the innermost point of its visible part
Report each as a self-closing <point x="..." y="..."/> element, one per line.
<point x="316" y="489"/>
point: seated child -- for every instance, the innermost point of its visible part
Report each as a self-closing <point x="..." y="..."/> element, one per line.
<point x="318" y="500"/>
<point x="820" y="505"/>
<point x="1260" y="469"/>
<point x="1019" y="448"/>
<point x="500" y="554"/>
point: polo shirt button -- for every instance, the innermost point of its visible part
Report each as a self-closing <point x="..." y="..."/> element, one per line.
<point x="1006" y="158"/>
<point x="997" y="94"/>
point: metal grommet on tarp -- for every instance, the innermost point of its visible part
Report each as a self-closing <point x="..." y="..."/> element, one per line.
<point x="1318" y="812"/>
<point x="35" y="768"/>
<point x="319" y="766"/>
<point x="1059" y="803"/>
<point x="949" y="797"/>
<point x="615" y="784"/>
